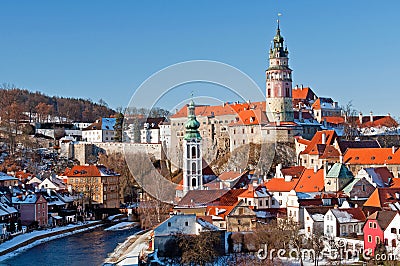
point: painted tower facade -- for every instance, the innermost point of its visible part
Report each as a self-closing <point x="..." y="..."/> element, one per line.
<point x="192" y="155"/>
<point x="279" y="82"/>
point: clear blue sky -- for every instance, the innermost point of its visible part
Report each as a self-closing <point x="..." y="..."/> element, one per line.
<point x="348" y="50"/>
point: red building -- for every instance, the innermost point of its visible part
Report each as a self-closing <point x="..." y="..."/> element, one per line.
<point x="375" y="227"/>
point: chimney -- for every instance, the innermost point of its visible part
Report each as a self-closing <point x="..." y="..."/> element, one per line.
<point x="315" y="169"/>
<point x="323" y="138"/>
<point x="216" y="211"/>
<point x="371" y="117"/>
<point x="297" y="86"/>
<point x="278" y="171"/>
<point x="341" y="159"/>
<point x="301" y="86"/>
<point x="360" y="117"/>
<point x="393" y="149"/>
<point x="221" y="185"/>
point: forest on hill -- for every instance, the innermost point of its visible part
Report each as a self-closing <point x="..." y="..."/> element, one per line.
<point x="15" y="100"/>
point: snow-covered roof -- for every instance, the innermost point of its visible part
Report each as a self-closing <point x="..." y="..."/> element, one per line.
<point x="5" y="177"/>
<point x="29" y="199"/>
<point x="317" y="217"/>
<point x="108" y="123"/>
<point x="352" y="215"/>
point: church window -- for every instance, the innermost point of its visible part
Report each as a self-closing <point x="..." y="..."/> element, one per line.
<point x="194" y="183"/>
<point x="193" y="152"/>
<point x="193" y="168"/>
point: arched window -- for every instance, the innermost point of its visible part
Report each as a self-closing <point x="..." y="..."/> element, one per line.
<point x="187" y="151"/>
<point x="193" y="168"/>
<point x="194" y="182"/>
<point x="193" y="152"/>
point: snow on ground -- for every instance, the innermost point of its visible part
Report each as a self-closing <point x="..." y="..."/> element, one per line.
<point x="121" y="226"/>
<point x="24" y="237"/>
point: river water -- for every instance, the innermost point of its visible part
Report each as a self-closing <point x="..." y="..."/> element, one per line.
<point x="87" y="249"/>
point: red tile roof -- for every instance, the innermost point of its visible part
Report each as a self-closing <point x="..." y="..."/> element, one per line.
<point x="230" y="175"/>
<point x="88" y="171"/>
<point x="379" y="121"/>
<point x="381" y="197"/>
<point x="294" y="171"/>
<point x="310" y="181"/>
<point x="372" y="156"/>
<point x="337" y="120"/>
<point x="224" y="109"/>
<point x="280" y="185"/>
<point x="301" y="93"/>
<point x="313" y="148"/>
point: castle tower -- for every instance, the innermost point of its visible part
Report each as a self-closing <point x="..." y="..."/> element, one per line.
<point x="279" y="82"/>
<point x="192" y="155"/>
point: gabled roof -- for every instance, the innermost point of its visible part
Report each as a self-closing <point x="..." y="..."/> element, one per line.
<point x="317" y="212"/>
<point x="221" y="211"/>
<point x="251" y="117"/>
<point x="379" y="121"/>
<point x="339" y="170"/>
<point x="349" y="215"/>
<point x="230" y="175"/>
<point x="303" y="93"/>
<point x="382" y="197"/>
<point x="294" y="171"/>
<point x="280" y="185"/>
<point x="217" y="110"/>
<point x="322" y="103"/>
<point x="313" y="148"/>
<point x="372" y="156"/>
<point x="310" y="181"/>
<point x="384" y="218"/>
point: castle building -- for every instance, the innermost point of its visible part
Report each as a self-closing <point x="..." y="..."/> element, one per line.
<point x="192" y="154"/>
<point x="279" y="82"/>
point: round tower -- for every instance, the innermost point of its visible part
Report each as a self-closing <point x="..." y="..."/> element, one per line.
<point x="279" y="82"/>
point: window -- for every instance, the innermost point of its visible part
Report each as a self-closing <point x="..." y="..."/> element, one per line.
<point x="369" y="239"/>
<point x="393" y="230"/>
<point x="280" y="202"/>
<point x="186" y="223"/>
<point x="370" y="224"/>
<point x="280" y="194"/>
<point x="393" y="242"/>
<point x="250" y="202"/>
<point x="239" y="222"/>
<point x="377" y="240"/>
<point x="374" y="225"/>
<point x="308" y="229"/>
<point x="273" y="202"/>
<point x="169" y="224"/>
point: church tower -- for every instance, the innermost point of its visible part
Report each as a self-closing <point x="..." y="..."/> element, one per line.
<point x="279" y="82"/>
<point x="192" y="155"/>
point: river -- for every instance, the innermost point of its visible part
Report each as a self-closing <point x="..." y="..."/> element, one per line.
<point x="87" y="248"/>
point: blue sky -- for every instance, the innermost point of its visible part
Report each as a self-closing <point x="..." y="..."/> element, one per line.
<point x="348" y="50"/>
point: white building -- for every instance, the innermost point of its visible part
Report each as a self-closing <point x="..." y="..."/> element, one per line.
<point x="343" y="222"/>
<point x="100" y="131"/>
